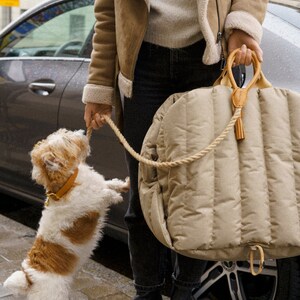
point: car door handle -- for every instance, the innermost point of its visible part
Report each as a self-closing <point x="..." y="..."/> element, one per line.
<point x="42" y="88"/>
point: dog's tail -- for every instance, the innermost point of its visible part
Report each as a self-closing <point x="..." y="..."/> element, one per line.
<point x="18" y="283"/>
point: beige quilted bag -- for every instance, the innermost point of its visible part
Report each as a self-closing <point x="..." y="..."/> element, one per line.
<point x="215" y="193"/>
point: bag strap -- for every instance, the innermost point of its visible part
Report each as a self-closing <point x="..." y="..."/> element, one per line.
<point x="239" y="97"/>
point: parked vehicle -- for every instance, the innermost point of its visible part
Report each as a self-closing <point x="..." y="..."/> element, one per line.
<point x="44" y="58"/>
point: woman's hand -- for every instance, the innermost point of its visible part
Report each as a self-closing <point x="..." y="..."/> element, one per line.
<point x="93" y="115"/>
<point x="246" y="43"/>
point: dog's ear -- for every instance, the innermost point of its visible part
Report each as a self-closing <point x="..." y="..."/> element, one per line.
<point x="51" y="162"/>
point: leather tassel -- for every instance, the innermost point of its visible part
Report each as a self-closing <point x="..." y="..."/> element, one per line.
<point x="239" y="129"/>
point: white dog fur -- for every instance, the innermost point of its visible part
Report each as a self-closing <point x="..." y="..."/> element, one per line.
<point x="70" y="227"/>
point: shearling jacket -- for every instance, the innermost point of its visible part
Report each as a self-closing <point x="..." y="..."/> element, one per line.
<point x="120" y="28"/>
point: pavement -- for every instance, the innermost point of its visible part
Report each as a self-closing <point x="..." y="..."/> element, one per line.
<point x="93" y="281"/>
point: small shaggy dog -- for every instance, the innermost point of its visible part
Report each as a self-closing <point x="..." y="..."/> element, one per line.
<point x="71" y="223"/>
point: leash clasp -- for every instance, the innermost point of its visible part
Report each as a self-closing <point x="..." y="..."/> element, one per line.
<point x="52" y="196"/>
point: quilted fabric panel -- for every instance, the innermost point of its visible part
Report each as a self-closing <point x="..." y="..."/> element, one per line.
<point x="242" y="193"/>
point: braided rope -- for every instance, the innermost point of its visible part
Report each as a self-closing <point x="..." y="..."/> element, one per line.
<point x="258" y="76"/>
<point x="89" y="132"/>
<point x="171" y="164"/>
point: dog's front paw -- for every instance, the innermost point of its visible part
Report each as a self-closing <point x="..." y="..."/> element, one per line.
<point x="118" y="185"/>
<point x="112" y="196"/>
<point x="126" y="185"/>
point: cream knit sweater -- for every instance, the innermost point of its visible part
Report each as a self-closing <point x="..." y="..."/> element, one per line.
<point x="173" y="23"/>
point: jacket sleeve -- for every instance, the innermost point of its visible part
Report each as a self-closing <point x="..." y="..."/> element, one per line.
<point x="247" y="15"/>
<point x="100" y="84"/>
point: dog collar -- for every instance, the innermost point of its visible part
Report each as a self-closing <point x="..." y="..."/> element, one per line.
<point x="64" y="189"/>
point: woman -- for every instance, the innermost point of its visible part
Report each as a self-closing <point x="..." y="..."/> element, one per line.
<point x="148" y="50"/>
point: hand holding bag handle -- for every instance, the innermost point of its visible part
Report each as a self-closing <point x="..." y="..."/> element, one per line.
<point x="258" y="80"/>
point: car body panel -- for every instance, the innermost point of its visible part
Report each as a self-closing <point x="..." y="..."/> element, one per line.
<point x="281" y="46"/>
<point x="28" y="115"/>
<point x="31" y="87"/>
<point x="107" y="155"/>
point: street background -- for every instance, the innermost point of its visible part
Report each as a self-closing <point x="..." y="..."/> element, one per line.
<point x="97" y="279"/>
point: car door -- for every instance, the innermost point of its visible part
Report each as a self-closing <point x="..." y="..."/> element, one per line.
<point x="39" y="55"/>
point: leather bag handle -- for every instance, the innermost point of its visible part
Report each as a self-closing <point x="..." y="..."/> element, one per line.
<point x="256" y="67"/>
<point x="239" y="95"/>
<point x="258" y="80"/>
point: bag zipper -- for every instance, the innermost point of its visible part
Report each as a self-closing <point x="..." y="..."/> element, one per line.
<point x="219" y="38"/>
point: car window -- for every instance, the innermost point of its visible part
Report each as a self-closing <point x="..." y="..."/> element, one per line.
<point x="60" y="30"/>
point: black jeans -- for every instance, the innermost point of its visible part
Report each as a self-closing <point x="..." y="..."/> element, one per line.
<point x="159" y="73"/>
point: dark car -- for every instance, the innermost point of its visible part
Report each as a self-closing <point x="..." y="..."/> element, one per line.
<point x="44" y="58"/>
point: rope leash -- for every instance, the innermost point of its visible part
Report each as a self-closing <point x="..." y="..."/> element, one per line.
<point x="239" y="97"/>
<point x="89" y="131"/>
<point x="187" y="160"/>
<point x="171" y="164"/>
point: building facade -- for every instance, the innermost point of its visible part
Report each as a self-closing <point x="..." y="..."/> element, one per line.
<point x="10" y="13"/>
